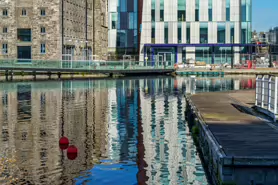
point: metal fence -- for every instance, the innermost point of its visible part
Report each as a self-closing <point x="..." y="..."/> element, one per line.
<point x="86" y="64"/>
<point x="267" y="94"/>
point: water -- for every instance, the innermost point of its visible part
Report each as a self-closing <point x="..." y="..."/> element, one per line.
<point x="127" y="131"/>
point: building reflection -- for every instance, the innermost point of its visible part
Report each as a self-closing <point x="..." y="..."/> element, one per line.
<point x="33" y="118"/>
<point x="135" y="120"/>
<point x="170" y="154"/>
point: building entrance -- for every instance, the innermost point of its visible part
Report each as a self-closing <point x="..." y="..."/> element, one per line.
<point x="24" y="54"/>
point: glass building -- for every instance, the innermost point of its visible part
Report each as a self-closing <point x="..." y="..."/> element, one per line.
<point x="211" y="31"/>
<point x="123" y="27"/>
<point x="273" y="40"/>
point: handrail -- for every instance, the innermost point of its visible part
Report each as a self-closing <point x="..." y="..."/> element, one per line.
<point x="267" y="94"/>
<point x="85" y="64"/>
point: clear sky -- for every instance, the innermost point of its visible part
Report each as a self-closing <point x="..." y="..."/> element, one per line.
<point x="265" y="14"/>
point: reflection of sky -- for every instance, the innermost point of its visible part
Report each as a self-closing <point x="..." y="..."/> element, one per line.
<point x="109" y="173"/>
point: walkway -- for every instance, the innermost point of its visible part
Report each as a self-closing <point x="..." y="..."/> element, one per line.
<point x="237" y="147"/>
<point x="113" y="67"/>
<point x="239" y="133"/>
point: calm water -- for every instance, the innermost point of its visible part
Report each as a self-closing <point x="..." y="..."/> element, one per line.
<point x="127" y="131"/>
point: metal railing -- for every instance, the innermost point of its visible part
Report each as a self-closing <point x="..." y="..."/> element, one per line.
<point x="85" y="64"/>
<point x="267" y="94"/>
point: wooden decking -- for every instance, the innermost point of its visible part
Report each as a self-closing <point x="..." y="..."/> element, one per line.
<point x="230" y="120"/>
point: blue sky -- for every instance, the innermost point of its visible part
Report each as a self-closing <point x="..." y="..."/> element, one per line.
<point x="265" y="14"/>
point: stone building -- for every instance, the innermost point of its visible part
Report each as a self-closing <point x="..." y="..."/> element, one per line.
<point x="37" y="29"/>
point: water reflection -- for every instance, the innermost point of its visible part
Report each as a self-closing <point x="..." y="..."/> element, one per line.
<point x="128" y="131"/>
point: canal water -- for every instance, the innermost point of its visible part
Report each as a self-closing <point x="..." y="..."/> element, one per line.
<point x="127" y="131"/>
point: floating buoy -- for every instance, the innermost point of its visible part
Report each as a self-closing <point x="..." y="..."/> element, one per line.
<point x="64" y="143"/>
<point x="72" y="152"/>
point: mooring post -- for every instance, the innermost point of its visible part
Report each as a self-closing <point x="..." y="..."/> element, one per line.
<point x="7" y="74"/>
<point x="12" y="74"/>
<point x="59" y="75"/>
<point x="49" y="74"/>
<point x="34" y="75"/>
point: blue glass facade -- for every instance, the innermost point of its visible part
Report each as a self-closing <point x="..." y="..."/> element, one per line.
<point x="125" y="22"/>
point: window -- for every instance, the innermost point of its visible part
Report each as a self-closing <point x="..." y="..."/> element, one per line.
<point x="228" y="11"/>
<point x="197" y="4"/>
<point x="24" y="35"/>
<point x="5" y="49"/>
<point x="161" y="10"/>
<point x="43" y="48"/>
<point x="153" y="33"/>
<point x="166" y="29"/>
<point x="232" y="26"/>
<point x="181" y="10"/>
<point x="23" y="13"/>
<point x="5" y="12"/>
<point x="43" y="12"/>
<point x="221" y="33"/>
<point x="153" y="10"/>
<point x="5" y="30"/>
<point x="188" y="33"/>
<point x="179" y="33"/>
<point x="114" y="20"/>
<point x="42" y="29"/>
<point x="210" y="10"/>
<point x="203" y="33"/>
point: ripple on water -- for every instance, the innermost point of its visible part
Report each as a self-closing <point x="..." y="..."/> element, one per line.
<point x="127" y="131"/>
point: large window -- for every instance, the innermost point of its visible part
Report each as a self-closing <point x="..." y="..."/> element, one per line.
<point x="188" y="33"/>
<point x="153" y="33"/>
<point x="245" y="10"/>
<point x="197" y="4"/>
<point x="210" y="10"/>
<point x="179" y="33"/>
<point x="221" y="33"/>
<point x="228" y="10"/>
<point x="181" y="10"/>
<point x="161" y="10"/>
<point x="166" y="30"/>
<point x="243" y="32"/>
<point x="203" y="33"/>
<point x="24" y="35"/>
<point x="153" y="10"/>
<point x="232" y="27"/>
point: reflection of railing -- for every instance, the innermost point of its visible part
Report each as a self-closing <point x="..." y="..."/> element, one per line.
<point x="266" y="94"/>
<point x="84" y="64"/>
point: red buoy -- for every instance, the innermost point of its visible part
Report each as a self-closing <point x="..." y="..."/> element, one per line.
<point x="72" y="152"/>
<point x="64" y="143"/>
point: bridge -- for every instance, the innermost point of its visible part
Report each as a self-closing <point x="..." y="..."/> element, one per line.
<point x="85" y="66"/>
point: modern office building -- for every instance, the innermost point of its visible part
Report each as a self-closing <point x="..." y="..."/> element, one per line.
<point x="37" y="29"/>
<point x="204" y="30"/>
<point x="123" y="27"/>
<point x="273" y="41"/>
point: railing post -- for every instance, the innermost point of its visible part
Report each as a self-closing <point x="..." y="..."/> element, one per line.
<point x="275" y="95"/>
<point x="262" y="85"/>
<point x="257" y="90"/>
<point x="269" y="92"/>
